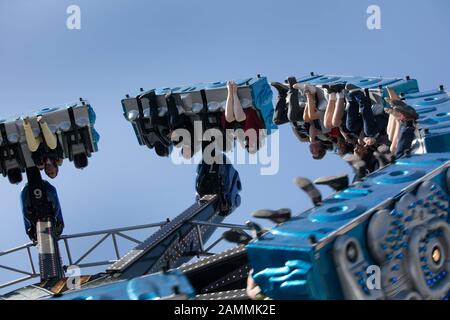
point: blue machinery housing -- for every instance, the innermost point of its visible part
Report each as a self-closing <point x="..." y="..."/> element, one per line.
<point x="317" y="253"/>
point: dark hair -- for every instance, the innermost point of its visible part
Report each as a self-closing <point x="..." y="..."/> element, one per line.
<point x="80" y="160"/>
<point x="15" y="176"/>
<point x="343" y="147"/>
<point x="322" y="152"/>
<point x="53" y="162"/>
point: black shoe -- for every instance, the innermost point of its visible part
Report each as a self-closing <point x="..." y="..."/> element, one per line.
<point x="352" y="88"/>
<point x="280" y="114"/>
<point x="276" y="216"/>
<point x="337" y="183"/>
<point x="281" y="88"/>
<point x="237" y="236"/>
<point x="310" y="189"/>
<point x="295" y="112"/>
<point x="161" y="150"/>
<point x="336" y="87"/>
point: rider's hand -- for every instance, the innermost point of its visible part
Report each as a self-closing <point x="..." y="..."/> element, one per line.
<point x="369" y="141"/>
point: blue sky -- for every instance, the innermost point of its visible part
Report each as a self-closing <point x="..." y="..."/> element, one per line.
<point x="124" y="45"/>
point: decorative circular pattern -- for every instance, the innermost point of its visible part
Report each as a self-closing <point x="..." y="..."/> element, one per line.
<point x="433" y="100"/>
<point x="369" y="82"/>
<point x="337" y="212"/>
<point x="442" y="116"/>
<point x="411" y="243"/>
<point x="351" y="193"/>
<point x="419" y="162"/>
<point x="428" y="265"/>
<point x="326" y="80"/>
<point x="48" y="110"/>
<point x="216" y="85"/>
<point x="399" y="176"/>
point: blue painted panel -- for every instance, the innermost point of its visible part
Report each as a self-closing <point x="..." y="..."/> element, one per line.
<point x="149" y="287"/>
<point x="292" y="240"/>
<point x="433" y="108"/>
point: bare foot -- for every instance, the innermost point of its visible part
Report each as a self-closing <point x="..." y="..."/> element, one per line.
<point x="234" y="86"/>
<point x="230" y="86"/>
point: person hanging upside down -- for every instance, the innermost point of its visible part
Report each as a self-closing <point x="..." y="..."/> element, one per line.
<point x="366" y="130"/>
<point x="313" y="118"/>
<point x="401" y="125"/>
<point x="48" y="155"/>
<point x="247" y="122"/>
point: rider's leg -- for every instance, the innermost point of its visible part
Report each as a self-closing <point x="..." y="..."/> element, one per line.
<point x="339" y="110"/>
<point x="229" y="112"/>
<point x="329" y="111"/>
<point x="239" y="113"/>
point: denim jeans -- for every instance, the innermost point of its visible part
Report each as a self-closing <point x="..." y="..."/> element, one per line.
<point x="405" y="139"/>
<point x="360" y="116"/>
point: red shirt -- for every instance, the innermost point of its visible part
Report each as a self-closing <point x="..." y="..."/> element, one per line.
<point x="252" y="121"/>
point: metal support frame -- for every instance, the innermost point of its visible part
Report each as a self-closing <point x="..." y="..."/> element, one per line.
<point x="115" y="234"/>
<point x="199" y="224"/>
